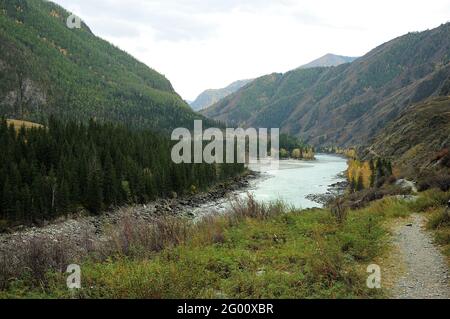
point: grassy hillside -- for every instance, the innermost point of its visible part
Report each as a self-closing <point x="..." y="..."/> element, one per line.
<point x="279" y="91"/>
<point x="47" y="68"/>
<point x="350" y="103"/>
<point x="255" y="251"/>
<point x="419" y="139"/>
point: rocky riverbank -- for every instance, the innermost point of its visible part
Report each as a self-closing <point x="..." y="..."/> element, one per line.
<point x="78" y="229"/>
<point x="333" y="191"/>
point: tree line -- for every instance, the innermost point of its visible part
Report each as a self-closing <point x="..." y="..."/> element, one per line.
<point x="292" y="147"/>
<point x="367" y="174"/>
<point x="46" y="172"/>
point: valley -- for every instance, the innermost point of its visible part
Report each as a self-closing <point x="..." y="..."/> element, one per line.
<point x="88" y="175"/>
<point x="349" y="104"/>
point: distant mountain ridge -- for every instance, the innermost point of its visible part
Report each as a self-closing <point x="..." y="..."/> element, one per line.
<point x="328" y="60"/>
<point x="48" y="69"/>
<point x="348" y="104"/>
<point x="211" y="96"/>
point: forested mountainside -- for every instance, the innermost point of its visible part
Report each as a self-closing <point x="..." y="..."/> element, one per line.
<point x="211" y="96"/>
<point x="418" y="140"/>
<point x="348" y="104"/>
<point x="47" y="68"/>
<point x="46" y="172"/>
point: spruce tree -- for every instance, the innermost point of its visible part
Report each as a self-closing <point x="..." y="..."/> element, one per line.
<point x="94" y="197"/>
<point x="372" y="173"/>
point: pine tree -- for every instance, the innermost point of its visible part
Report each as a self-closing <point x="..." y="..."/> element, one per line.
<point x="46" y="172"/>
<point x="62" y="197"/>
<point x="372" y="175"/>
<point x="110" y="183"/>
<point x="94" y="196"/>
<point x="389" y="168"/>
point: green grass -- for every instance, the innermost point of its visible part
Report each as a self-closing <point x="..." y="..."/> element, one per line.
<point x="256" y="251"/>
<point x="439" y="219"/>
<point x="294" y="254"/>
<point x="430" y="199"/>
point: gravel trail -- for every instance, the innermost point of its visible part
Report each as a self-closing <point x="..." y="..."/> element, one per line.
<point x="426" y="274"/>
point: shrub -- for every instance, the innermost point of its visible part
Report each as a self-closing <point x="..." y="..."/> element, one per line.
<point x="339" y="210"/>
<point x="250" y="208"/>
<point x="442" y="237"/>
<point x="443" y="157"/>
<point x="34" y="259"/>
<point x="210" y="230"/>
<point x="441" y="181"/>
<point x="439" y="219"/>
<point x="133" y="237"/>
<point x="432" y="198"/>
<point x="362" y="199"/>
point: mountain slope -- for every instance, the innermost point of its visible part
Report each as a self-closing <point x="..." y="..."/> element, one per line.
<point x="276" y="90"/>
<point x="348" y="104"/>
<point x="209" y="97"/>
<point x="47" y="68"/>
<point x="419" y="138"/>
<point x="329" y="60"/>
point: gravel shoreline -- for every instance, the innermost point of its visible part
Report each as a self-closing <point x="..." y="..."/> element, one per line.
<point x="334" y="190"/>
<point x="77" y="229"/>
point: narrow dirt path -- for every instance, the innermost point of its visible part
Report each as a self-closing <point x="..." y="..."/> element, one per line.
<point x="425" y="272"/>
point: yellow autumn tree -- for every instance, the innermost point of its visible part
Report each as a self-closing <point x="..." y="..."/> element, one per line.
<point x="357" y="170"/>
<point x="366" y="173"/>
<point x="296" y="153"/>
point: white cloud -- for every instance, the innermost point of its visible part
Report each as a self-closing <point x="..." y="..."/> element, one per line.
<point x="201" y="44"/>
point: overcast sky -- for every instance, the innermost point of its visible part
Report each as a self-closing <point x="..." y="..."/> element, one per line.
<point x="201" y="44"/>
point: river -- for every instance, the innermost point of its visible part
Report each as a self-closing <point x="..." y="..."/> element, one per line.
<point x="295" y="180"/>
<point x="291" y="183"/>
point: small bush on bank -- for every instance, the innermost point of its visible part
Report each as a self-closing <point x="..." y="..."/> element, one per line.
<point x="439" y="222"/>
<point x="133" y="237"/>
<point x="250" y="208"/>
<point x="443" y="238"/>
<point x="363" y="198"/>
<point x="435" y="180"/>
<point x="31" y="261"/>
<point x="430" y="199"/>
<point x="339" y="210"/>
<point x="439" y="219"/>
